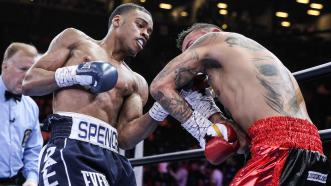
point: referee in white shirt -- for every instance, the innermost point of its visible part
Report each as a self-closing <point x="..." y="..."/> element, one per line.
<point x="20" y="136"/>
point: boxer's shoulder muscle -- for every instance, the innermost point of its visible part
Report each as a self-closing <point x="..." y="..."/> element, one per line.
<point x="142" y="87"/>
<point x="134" y="82"/>
<point x="67" y="38"/>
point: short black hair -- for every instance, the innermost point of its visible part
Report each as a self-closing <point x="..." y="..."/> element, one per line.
<point x="195" y="26"/>
<point x="124" y="8"/>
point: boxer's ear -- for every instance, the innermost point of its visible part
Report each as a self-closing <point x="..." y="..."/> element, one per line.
<point x="4" y="66"/>
<point x="116" y="21"/>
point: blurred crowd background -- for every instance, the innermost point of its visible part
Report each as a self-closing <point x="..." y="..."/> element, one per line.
<point x="297" y="31"/>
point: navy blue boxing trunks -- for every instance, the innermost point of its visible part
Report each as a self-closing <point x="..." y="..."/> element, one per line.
<point x="82" y="150"/>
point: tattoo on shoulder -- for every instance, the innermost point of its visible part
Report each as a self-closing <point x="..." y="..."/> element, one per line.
<point x="244" y="42"/>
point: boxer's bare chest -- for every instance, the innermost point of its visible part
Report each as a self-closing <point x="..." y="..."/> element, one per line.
<point x="111" y="101"/>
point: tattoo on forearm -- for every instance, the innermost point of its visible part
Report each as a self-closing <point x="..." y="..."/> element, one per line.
<point x="244" y="42"/>
<point x="177" y="107"/>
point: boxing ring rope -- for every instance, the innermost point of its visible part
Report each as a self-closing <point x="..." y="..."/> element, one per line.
<point x="307" y="74"/>
<point x="192" y="154"/>
<point x="313" y="72"/>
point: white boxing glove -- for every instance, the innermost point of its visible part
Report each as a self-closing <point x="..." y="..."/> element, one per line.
<point x="197" y="126"/>
<point x="205" y="104"/>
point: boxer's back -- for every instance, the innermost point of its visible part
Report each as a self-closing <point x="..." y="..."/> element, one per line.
<point x="252" y="82"/>
<point x="106" y="105"/>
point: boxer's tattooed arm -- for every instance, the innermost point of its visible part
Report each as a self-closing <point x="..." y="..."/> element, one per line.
<point x="176" y="106"/>
<point x="184" y="68"/>
<point x="183" y="76"/>
<point x="234" y="40"/>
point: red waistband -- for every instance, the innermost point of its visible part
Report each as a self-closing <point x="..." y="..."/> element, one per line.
<point x="285" y="132"/>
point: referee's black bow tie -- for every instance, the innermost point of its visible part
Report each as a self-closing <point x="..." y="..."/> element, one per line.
<point x="16" y="97"/>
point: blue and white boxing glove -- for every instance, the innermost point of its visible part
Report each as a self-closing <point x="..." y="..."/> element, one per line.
<point x="96" y="75"/>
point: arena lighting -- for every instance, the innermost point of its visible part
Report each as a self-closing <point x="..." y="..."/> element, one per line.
<point x="183" y="13"/>
<point x="303" y="1"/>
<point x="285" y="24"/>
<point x="224" y="26"/>
<point x="282" y="14"/>
<point x="165" y="6"/>
<point x="142" y="1"/>
<point x="313" y="12"/>
<point x="316" y="6"/>
<point x="223" y="12"/>
<point x="222" y="5"/>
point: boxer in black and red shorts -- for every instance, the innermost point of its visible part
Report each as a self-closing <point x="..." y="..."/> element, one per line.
<point x="285" y="151"/>
<point x="263" y="98"/>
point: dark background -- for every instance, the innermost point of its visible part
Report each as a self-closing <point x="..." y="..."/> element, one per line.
<point x="306" y="43"/>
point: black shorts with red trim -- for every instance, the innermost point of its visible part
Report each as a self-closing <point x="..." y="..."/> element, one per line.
<point x="285" y="151"/>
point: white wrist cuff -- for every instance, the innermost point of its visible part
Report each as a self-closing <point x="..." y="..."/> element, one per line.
<point x="197" y="126"/>
<point x="66" y="76"/>
<point x="157" y="112"/>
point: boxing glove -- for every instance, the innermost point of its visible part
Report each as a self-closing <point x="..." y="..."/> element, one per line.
<point x="219" y="140"/>
<point x="203" y="103"/>
<point x="221" y="143"/>
<point x="95" y="75"/>
<point x="197" y="126"/>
